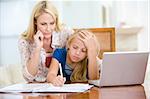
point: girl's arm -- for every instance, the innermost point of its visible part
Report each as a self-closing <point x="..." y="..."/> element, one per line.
<point x="52" y="74"/>
<point x="93" y="68"/>
<point x="92" y="52"/>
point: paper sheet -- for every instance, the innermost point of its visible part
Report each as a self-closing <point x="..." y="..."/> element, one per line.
<point x="46" y="87"/>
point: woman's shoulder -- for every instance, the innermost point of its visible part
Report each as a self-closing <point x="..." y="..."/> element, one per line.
<point x="59" y="38"/>
<point x="23" y="41"/>
<point x="67" y="30"/>
<point x="21" y="38"/>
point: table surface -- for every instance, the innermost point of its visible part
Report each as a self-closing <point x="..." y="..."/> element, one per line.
<point x="120" y="92"/>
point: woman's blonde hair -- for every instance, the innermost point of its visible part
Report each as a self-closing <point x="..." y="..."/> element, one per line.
<point x="80" y="72"/>
<point x="41" y="7"/>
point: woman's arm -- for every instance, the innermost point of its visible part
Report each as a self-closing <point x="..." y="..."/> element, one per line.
<point x="32" y="63"/>
<point x="52" y="74"/>
<point x="30" y="59"/>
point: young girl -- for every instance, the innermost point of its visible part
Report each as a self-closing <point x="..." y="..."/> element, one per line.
<point x="79" y="59"/>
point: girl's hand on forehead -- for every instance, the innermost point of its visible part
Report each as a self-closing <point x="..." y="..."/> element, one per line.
<point x="89" y="40"/>
<point x="86" y="34"/>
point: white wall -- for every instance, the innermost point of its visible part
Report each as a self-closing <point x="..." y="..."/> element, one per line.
<point x="14" y="17"/>
<point x="81" y="14"/>
<point x="143" y="37"/>
<point x="133" y="14"/>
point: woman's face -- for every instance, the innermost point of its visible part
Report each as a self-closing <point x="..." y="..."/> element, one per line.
<point x="46" y="24"/>
<point x="77" y="50"/>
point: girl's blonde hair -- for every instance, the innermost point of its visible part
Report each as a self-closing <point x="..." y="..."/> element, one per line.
<point x="80" y="72"/>
<point x="44" y="6"/>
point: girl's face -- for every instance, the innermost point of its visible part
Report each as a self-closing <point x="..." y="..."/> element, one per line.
<point x="46" y="24"/>
<point x="77" y="50"/>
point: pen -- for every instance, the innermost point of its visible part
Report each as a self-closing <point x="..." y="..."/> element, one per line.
<point x="60" y="68"/>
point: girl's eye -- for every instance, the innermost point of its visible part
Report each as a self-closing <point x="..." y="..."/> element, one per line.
<point x="75" y="47"/>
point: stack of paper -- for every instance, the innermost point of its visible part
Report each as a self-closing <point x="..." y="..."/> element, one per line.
<point x="46" y="87"/>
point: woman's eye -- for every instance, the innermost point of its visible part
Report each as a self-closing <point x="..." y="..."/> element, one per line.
<point x="52" y="23"/>
<point x="43" y="23"/>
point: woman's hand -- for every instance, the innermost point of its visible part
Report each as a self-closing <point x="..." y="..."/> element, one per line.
<point x="38" y="38"/>
<point x="58" y="81"/>
<point x="90" y="42"/>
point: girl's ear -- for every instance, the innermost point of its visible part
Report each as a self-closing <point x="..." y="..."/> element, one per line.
<point x="67" y="48"/>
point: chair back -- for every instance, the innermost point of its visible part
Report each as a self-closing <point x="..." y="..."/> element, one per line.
<point x="106" y="39"/>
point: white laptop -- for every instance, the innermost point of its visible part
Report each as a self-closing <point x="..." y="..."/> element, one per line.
<point x="122" y="68"/>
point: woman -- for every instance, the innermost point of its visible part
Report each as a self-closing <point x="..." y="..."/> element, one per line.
<point x="79" y="60"/>
<point x="43" y="36"/>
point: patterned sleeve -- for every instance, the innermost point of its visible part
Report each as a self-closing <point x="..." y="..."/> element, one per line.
<point x="25" y="56"/>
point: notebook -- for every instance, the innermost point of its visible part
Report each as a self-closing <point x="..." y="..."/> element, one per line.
<point x="46" y="87"/>
<point x="122" y="68"/>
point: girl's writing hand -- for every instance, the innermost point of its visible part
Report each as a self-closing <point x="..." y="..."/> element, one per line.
<point x="59" y="81"/>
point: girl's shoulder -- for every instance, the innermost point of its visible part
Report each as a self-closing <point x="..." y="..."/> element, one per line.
<point x="60" y="50"/>
<point x="60" y="54"/>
